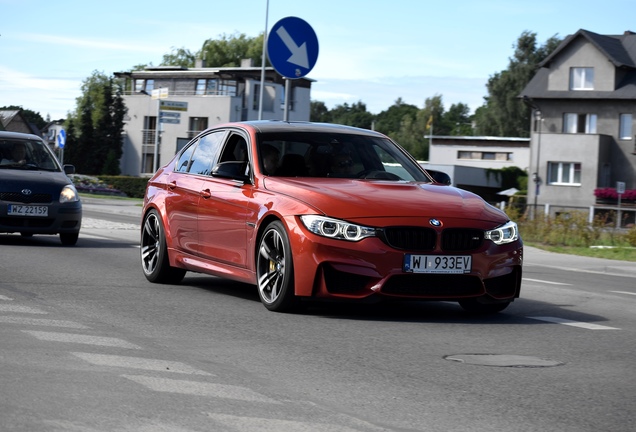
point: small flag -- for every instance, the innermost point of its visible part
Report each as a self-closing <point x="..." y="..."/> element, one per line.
<point x="430" y="122"/>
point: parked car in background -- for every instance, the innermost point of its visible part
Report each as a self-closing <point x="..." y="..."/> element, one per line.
<point x="318" y="211"/>
<point x="36" y="195"/>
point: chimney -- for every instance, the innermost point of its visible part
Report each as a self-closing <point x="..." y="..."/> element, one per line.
<point x="246" y="63"/>
<point x="199" y="63"/>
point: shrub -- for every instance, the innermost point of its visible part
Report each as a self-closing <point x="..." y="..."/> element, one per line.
<point x="133" y="187"/>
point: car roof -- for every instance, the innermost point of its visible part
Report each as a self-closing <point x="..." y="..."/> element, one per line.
<point x="8" y="134"/>
<point x="268" y="126"/>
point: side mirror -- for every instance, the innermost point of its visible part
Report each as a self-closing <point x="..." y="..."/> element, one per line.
<point x="440" y="177"/>
<point x="69" y="169"/>
<point x="236" y="170"/>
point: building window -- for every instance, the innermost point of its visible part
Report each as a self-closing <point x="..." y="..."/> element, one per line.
<point x="197" y="124"/>
<point x="142" y="85"/>
<point x="582" y="78"/>
<point x="269" y="95"/>
<point x="625" y="127"/>
<point x="206" y="86"/>
<point x="579" y="123"/>
<point x="478" y="155"/>
<point x="564" y="173"/>
<point x="227" y="87"/>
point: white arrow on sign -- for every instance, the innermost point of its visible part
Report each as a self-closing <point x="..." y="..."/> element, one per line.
<point x="299" y="53"/>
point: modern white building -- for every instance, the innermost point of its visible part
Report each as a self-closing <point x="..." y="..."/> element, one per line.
<point x="189" y="100"/>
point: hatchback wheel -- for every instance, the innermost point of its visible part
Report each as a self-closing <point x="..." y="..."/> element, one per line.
<point x="275" y="269"/>
<point x="154" y="252"/>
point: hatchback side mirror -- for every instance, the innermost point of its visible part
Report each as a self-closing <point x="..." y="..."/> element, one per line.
<point x="69" y="169"/>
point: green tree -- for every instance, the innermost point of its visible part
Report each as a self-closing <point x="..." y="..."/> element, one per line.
<point x="228" y="51"/>
<point x="100" y="121"/>
<point x="179" y="57"/>
<point x="319" y="112"/>
<point x="503" y="113"/>
<point x="389" y="121"/>
<point x="352" y="115"/>
<point x="458" y="120"/>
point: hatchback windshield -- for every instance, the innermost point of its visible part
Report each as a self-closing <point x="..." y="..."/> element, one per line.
<point x="26" y="154"/>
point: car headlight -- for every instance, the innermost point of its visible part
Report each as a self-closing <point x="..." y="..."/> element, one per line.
<point x="69" y="194"/>
<point x="336" y="228"/>
<point x="506" y="233"/>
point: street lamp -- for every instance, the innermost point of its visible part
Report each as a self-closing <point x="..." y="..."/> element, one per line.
<point x="538" y="118"/>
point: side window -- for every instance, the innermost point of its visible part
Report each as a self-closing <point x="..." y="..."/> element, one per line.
<point x="205" y="153"/>
<point x="183" y="163"/>
<point x="235" y="150"/>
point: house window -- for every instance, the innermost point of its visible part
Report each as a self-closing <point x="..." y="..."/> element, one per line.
<point x="564" y="173"/>
<point x="579" y="123"/>
<point x="206" y="86"/>
<point x="625" y="127"/>
<point x="582" y="78"/>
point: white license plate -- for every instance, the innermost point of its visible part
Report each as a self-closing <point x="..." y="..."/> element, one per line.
<point x="27" y="210"/>
<point x="437" y="263"/>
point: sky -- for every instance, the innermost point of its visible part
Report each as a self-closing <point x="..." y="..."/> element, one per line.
<point x="370" y="51"/>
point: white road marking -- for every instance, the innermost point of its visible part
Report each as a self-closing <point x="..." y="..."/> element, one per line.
<point x="21" y="309"/>
<point x="256" y="424"/>
<point x="89" y="223"/>
<point x="41" y="322"/>
<point x="83" y="339"/>
<point x="546" y="282"/>
<point x="140" y="363"/>
<point x="5" y="298"/>
<point x="624" y="292"/>
<point x="200" y="389"/>
<point x="580" y="324"/>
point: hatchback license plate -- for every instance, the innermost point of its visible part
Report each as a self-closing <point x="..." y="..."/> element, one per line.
<point x="437" y="263"/>
<point x="27" y="210"/>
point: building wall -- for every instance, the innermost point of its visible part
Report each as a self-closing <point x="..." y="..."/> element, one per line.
<point x="448" y="154"/>
<point x="592" y="151"/>
<point x="216" y="108"/>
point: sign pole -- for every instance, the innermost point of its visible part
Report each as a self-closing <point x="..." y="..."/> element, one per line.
<point x="287" y="91"/>
<point x="157" y="130"/>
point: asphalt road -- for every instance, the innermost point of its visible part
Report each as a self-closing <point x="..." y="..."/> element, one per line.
<point x="87" y="344"/>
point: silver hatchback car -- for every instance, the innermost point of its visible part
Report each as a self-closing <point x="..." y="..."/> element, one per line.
<point x="36" y="194"/>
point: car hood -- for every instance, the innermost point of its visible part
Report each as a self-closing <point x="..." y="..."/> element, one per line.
<point x="14" y="180"/>
<point x="355" y="199"/>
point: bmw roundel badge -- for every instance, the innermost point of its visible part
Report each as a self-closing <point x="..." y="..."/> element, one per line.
<point x="435" y="222"/>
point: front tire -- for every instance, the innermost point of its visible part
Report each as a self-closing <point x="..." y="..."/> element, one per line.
<point x="69" y="239"/>
<point x="154" y="252"/>
<point x="275" y="269"/>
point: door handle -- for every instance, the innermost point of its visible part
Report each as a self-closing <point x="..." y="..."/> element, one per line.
<point x="206" y="193"/>
<point x="172" y="185"/>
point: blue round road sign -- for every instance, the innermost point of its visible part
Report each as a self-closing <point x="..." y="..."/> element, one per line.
<point x="292" y="47"/>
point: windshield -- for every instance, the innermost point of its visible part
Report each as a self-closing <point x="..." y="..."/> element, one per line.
<point x="335" y="155"/>
<point x="16" y="153"/>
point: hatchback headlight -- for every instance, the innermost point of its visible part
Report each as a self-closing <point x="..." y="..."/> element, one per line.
<point x="506" y="233"/>
<point x="69" y="194"/>
<point x="336" y="228"/>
